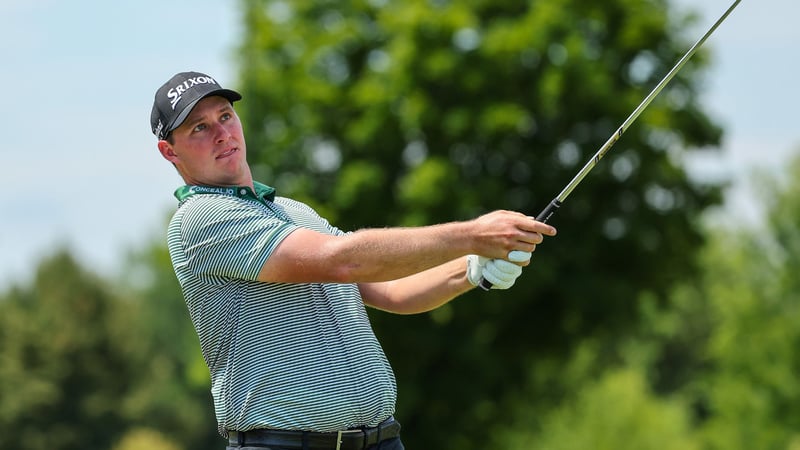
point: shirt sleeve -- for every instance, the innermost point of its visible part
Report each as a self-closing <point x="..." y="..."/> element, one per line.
<point x="230" y="237"/>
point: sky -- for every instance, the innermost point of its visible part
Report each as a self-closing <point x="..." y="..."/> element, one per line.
<point x="81" y="170"/>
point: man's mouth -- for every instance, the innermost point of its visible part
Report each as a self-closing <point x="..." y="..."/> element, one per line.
<point x="227" y="153"/>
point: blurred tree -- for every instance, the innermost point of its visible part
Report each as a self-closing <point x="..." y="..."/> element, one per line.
<point x="65" y="361"/>
<point x="618" y="412"/>
<point x="726" y="343"/>
<point x="82" y="364"/>
<point x="173" y="395"/>
<point x="141" y="439"/>
<point x="752" y="394"/>
<point x="412" y="112"/>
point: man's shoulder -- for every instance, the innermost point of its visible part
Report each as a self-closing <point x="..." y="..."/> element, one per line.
<point x="204" y="209"/>
<point x="292" y="203"/>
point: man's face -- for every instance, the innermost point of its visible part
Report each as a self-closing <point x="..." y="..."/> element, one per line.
<point x="208" y="148"/>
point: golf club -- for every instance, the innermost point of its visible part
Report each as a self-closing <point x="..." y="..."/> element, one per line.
<point x="556" y="203"/>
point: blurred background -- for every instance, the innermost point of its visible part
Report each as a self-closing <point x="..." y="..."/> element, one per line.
<point x="664" y="315"/>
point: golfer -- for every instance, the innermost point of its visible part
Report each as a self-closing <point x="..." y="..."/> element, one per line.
<point x="277" y="294"/>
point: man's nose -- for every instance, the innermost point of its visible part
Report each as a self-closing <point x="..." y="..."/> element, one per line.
<point x="221" y="134"/>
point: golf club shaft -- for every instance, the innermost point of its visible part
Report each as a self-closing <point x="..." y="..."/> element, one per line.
<point x="553" y="206"/>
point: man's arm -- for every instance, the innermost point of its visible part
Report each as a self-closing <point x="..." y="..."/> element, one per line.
<point x="377" y="255"/>
<point x="420" y="292"/>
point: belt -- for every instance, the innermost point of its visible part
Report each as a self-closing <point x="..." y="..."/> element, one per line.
<point x="354" y="439"/>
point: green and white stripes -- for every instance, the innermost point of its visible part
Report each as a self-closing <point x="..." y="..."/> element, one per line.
<point x="286" y="356"/>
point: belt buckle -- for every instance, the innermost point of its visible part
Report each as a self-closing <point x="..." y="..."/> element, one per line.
<point x="354" y="432"/>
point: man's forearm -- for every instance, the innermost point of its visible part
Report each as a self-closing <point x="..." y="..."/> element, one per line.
<point x="394" y="253"/>
<point x="420" y="292"/>
<point x="378" y="255"/>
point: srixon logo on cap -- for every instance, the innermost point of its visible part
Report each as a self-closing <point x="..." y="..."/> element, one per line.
<point x="176" y="92"/>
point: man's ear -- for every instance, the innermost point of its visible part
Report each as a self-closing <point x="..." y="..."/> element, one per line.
<point x="167" y="151"/>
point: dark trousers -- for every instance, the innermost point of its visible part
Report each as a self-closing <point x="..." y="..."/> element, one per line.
<point x="389" y="444"/>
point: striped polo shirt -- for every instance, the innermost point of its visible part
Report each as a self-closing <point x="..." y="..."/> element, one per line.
<point x="282" y="356"/>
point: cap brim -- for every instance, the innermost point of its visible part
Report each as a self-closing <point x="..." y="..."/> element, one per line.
<point x="231" y="95"/>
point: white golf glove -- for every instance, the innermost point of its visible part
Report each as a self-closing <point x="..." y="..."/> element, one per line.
<point x="501" y="273"/>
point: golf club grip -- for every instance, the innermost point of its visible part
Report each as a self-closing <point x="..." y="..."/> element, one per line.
<point x="548" y="212"/>
<point x="543" y="217"/>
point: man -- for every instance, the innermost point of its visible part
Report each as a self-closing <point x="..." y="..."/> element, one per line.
<point x="277" y="294"/>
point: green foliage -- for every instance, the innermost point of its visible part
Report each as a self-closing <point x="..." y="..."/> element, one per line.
<point x="173" y="394"/>
<point x="727" y="344"/>
<point x="715" y="367"/>
<point x="143" y="438"/>
<point x="752" y="395"/>
<point x="616" y="412"/>
<point x="81" y="363"/>
<point x="416" y="112"/>
<point x="63" y="345"/>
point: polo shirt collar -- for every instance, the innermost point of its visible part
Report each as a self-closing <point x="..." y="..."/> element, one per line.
<point x="263" y="192"/>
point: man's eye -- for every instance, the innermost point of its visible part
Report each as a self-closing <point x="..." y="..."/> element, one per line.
<point x="226" y="116"/>
<point x="200" y="127"/>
